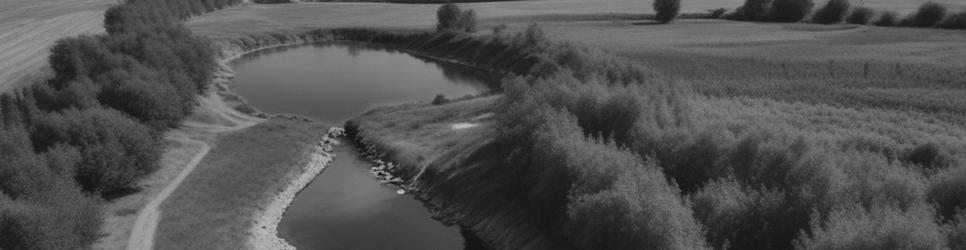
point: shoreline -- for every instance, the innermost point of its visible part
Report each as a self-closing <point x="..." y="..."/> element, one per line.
<point x="264" y="230"/>
<point x="263" y="233"/>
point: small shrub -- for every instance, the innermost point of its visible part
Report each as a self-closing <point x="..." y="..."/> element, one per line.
<point x="666" y="10"/>
<point x="440" y="100"/>
<point x="929" y="15"/>
<point x="499" y="30"/>
<point x="888" y="19"/>
<point x="833" y="12"/>
<point x="954" y="21"/>
<point x="860" y="15"/>
<point x="468" y="21"/>
<point x="789" y="11"/>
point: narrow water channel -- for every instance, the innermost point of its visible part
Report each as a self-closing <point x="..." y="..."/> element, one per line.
<point x="345" y="207"/>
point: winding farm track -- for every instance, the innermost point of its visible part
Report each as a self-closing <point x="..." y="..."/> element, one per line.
<point x="145" y="226"/>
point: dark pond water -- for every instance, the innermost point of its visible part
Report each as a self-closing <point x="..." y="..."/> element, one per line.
<point x="345" y="207"/>
<point x="335" y="82"/>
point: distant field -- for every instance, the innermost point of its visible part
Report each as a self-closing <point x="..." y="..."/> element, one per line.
<point x="258" y="18"/>
<point x="29" y="27"/>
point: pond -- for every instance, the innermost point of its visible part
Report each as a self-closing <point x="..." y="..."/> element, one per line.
<point x="345" y="207"/>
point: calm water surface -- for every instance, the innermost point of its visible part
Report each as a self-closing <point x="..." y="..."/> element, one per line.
<point x="345" y="207"/>
<point x="335" y="82"/>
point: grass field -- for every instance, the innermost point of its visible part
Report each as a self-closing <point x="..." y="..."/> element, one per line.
<point x="28" y="28"/>
<point x="259" y="18"/>
<point x="216" y="204"/>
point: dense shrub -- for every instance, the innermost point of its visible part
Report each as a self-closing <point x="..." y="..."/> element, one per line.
<point x="115" y="149"/>
<point x="449" y="17"/>
<point x="860" y="15"/>
<point x="40" y="208"/>
<point x="928" y="15"/>
<point x="440" y="100"/>
<point x="930" y="156"/>
<point x="954" y="21"/>
<point x="666" y="10"/>
<point x="948" y="191"/>
<point x="877" y="228"/>
<point x="957" y="233"/>
<point x="789" y="10"/>
<point x="833" y="12"/>
<point x="887" y="19"/>
<point x="753" y="10"/>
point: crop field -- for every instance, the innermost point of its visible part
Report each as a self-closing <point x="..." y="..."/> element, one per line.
<point x="28" y="28"/>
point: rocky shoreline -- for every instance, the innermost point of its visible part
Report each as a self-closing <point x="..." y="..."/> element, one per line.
<point x="264" y="231"/>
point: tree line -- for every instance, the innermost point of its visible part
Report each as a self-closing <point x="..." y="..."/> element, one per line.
<point x="929" y="14"/>
<point x="598" y="154"/>
<point x="94" y="128"/>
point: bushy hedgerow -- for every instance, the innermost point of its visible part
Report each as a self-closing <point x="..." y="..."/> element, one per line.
<point x="887" y="19"/>
<point x="41" y="207"/>
<point x="881" y="227"/>
<point x="789" y="11"/>
<point x="617" y="200"/>
<point x="860" y="15"/>
<point x="954" y="21"/>
<point x="449" y="17"/>
<point x="147" y="66"/>
<point x="928" y="15"/>
<point x="115" y="150"/>
<point x="833" y="12"/>
<point x="666" y="10"/>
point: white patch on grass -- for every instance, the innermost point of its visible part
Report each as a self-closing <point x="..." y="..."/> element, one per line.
<point x="463" y="125"/>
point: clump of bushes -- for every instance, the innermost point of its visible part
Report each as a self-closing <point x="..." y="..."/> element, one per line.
<point x="450" y="18"/>
<point x="928" y="15"/>
<point x="752" y="10"/>
<point x="887" y="19"/>
<point x="440" y="100"/>
<point x="954" y="21"/>
<point x="666" y="10"/>
<point x="833" y="12"/>
<point x="788" y="11"/>
<point x="880" y="227"/>
<point x="860" y="15"/>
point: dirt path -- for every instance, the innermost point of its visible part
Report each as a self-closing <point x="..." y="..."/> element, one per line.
<point x="142" y="236"/>
<point x="194" y="133"/>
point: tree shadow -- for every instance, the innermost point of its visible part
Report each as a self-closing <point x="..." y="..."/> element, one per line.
<point x="647" y="23"/>
<point x="120" y="193"/>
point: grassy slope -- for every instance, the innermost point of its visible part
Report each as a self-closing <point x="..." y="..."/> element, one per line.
<point x="213" y="207"/>
<point x="29" y="27"/>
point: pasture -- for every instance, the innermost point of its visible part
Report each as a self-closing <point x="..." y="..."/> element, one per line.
<point x="28" y="28"/>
